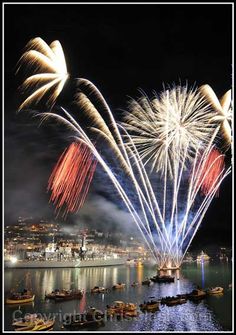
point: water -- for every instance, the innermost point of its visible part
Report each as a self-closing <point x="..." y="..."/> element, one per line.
<point x="211" y="314"/>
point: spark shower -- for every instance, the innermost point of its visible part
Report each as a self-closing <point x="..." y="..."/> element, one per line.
<point x="166" y="160"/>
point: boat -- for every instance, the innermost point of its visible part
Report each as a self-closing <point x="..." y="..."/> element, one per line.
<point x="20" y="297"/>
<point x="188" y="259"/>
<point x="215" y="290"/>
<point x="26" y="296"/>
<point x="176" y="301"/>
<point x="36" y="324"/>
<point x="202" y="257"/>
<point x="74" y="263"/>
<point x="122" y="309"/>
<point x="183" y="296"/>
<point x="197" y="294"/>
<point x="44" y="325"/>
<point x="118" y="286"/>
<point x="162" y="279"/>
<point x="61" y="295"/>
<point x="150" y="306"/>
<point x="168" y="268"/>
<point x="28" y="320"/>
<point x="134" y="284"/>
<point x="146" y="282"/>
<point x="97" y="289"/>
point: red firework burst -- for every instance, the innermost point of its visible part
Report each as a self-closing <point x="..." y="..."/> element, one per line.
<point x="211" y="170"/>
<point x="71" y="178"/>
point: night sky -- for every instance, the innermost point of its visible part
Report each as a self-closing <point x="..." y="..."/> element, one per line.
<point x="120" y="48"/>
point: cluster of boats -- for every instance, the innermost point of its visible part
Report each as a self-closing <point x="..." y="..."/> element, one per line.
<point x="62" y="295"/>
<point x="195" y="295"/>
<point x="96" y="318"/>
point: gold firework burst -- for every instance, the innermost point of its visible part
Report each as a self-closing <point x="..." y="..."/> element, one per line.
<point x="50" y="71"/>
<point x="223" y="110"/>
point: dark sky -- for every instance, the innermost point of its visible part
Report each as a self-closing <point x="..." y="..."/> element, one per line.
<point x="120" y="48"/>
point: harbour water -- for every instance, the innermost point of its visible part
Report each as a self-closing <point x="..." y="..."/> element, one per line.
<point x="211" y="314"/>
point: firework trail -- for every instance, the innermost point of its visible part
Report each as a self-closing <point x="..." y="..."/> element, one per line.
<point x="71" y="177"/>
<point x="171" y="136"/>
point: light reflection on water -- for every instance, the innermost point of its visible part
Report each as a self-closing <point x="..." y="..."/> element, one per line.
<point x="213" y="313"/>
<point x="203" y="274"/>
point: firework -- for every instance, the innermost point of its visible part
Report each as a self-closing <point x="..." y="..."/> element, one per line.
<point x="49" y="62"/>
<point x="176" y="133"/>
<point x="71" y="177"/>
<point x="223" y="109"/>
<point x="163" y="127"/>
<point x="210" y="171"/>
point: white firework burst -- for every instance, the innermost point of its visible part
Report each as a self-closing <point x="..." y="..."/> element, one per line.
<point x="170" y="127"/>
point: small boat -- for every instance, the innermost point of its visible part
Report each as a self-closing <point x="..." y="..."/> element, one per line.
<point x="163" y="279"/>
<point x="134" y="284"/>
<point x="28" y="321"/>
<point x="152" y="305"/>
<point x="122" y="309"/>
<point x="38" y="325"/>
<point x="20" y="297"/>
<point x="118" y="286"/>
<point x="61" y="295"/>
<point x="130" y="310"/>
<point x="176" y="301"/>
<point x="116" y="307"/>
<point x="183" y="296"/>
<point x="169" y="268"/>
<point x="202" y="257"/>
<point x="97" y="289"/>
<point x="24" y="329"/>
<point x="215" y="290"/>
<point x="146" y="282"/>
<point x="26" y="296"/>
<point x="197" y="295"/>
<point x="44" y="325"/>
